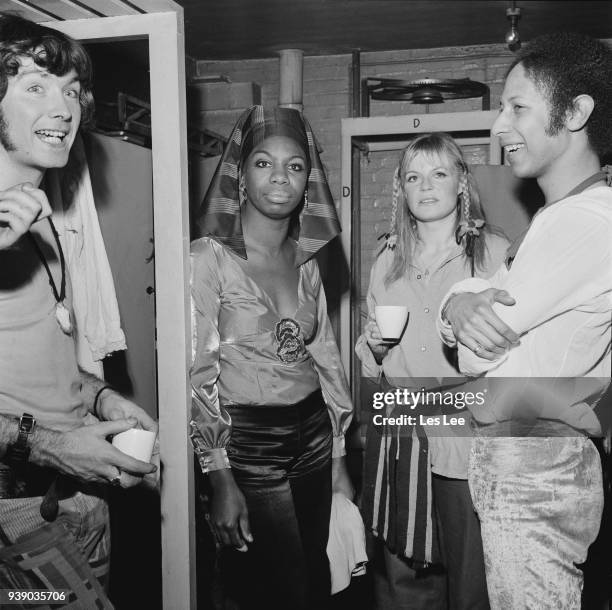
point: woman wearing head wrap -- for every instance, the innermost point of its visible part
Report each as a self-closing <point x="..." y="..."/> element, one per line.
<point x="438" y="236"/>
<point x="270" y="399"/>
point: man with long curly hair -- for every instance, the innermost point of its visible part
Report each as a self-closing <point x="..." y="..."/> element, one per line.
<point x="54" y="456"/>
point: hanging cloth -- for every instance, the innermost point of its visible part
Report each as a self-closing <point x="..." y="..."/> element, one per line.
<point x="94" y="301"/>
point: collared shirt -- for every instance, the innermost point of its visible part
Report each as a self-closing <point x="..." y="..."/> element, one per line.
<point x="561" y="280"/>
<point x="245" y="353"/>
<point x="420" y="356"/>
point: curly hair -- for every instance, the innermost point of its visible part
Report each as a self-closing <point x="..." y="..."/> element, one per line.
<point x="50" y="50"/>
<point x="565" y="65"/>
<point x="403" y="228"/>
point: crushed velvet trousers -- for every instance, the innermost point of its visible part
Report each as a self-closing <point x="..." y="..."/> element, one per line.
<point x="540" y="502"/>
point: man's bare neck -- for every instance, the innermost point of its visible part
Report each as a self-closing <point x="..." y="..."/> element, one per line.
<point x="557" y="185"/>
<point x="11" y="175"/>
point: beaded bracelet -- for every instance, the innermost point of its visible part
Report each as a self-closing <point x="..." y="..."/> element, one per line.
<point x="97" y="397"/>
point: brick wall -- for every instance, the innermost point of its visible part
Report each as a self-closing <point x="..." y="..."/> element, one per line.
<point x="327" y="95"/>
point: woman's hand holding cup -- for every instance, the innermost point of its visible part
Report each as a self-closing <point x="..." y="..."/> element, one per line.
<point x="372" y="333"/>
<point x="384" y="328"/>
<point x="378" y="346"/>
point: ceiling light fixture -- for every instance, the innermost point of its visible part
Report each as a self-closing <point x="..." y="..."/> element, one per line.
<point x="513" y="38"/>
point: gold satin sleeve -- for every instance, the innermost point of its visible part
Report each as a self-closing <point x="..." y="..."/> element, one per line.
<point x="325" y="355"/>
<point x="210" y="423"/>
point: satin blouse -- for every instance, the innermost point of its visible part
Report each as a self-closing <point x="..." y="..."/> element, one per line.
<point x="245" y="353"/>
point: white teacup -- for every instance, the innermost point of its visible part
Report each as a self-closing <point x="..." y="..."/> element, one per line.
<point x="138" y="444"/>
<point x="391" y="320"/>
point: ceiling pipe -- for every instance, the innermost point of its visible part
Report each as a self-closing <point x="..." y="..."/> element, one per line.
<point x="291" y="79"/>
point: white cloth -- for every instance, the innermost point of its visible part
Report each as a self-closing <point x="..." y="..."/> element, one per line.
<point x="96" y="313"/>
<point x="561" y="280"/>
<point x="346" y="544"/>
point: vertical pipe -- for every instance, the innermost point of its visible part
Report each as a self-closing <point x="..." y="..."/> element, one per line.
<point x="486" y="99"/>
<point x="356" y="84"/>
<point x="355" y="260"/>
<point x="365" y="98"/>
<point x="291" y="81"/>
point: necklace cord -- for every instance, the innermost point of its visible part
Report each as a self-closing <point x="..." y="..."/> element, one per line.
<point x="61" y="295"/>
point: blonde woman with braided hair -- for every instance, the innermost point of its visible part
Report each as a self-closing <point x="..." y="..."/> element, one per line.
<point x="415" y="496"/>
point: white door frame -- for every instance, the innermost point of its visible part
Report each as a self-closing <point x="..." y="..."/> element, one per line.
<point x="165" y="34"/>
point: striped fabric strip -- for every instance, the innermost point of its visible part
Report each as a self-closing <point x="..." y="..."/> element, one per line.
<point x="317" y="175"/>
<point x="229" y="169"/>
<point x="222" y="206"/>
<point x="428" y="517"/>
<point x="412" y="497"/>
<point x="312" y="245"/>
<point x="388" y="490"/>
<point x="378" y="481"/>
<point x="319" y="210"/>
<point x="397" y="501"/>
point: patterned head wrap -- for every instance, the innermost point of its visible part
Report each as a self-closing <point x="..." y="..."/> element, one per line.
<point x="219" y="214"/>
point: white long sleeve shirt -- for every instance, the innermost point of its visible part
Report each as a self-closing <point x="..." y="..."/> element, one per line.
<point x="561" y="280"/>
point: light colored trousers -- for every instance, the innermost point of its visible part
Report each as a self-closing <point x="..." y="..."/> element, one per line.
<point x="540" y="502"/>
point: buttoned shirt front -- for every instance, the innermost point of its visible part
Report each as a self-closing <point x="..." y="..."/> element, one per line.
<point x="420" y="357"/>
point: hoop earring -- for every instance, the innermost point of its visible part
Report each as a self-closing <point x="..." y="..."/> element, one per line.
<point x="242" y="193"/>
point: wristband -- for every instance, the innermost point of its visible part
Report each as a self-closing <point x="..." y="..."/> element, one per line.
<point x="18" y="453"/>
<point x="97" y="399"/>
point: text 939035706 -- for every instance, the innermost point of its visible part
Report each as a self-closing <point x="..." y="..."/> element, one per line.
<point x="33" y="596"/>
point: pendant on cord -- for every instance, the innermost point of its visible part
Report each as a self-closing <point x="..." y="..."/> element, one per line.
<point x="62" y="315"/>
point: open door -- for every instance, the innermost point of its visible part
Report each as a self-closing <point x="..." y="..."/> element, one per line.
<point x="164" y="33"/>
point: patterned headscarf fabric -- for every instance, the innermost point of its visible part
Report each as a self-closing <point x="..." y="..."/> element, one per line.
<point x="219" y="214"/>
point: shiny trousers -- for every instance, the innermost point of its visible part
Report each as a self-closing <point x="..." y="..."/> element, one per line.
<point x="281" y="460"/>
<point x="540" y="502"/>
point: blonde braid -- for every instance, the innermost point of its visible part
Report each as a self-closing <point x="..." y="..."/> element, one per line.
<point x="465" y="196"/>
<point x="395" y="198"/>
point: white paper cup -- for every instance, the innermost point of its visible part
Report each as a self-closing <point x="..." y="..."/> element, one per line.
<point x="391" y="320"/>
<point x="137" y="443"/>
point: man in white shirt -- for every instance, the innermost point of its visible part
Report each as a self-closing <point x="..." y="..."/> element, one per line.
<point x="543" y="323"/>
